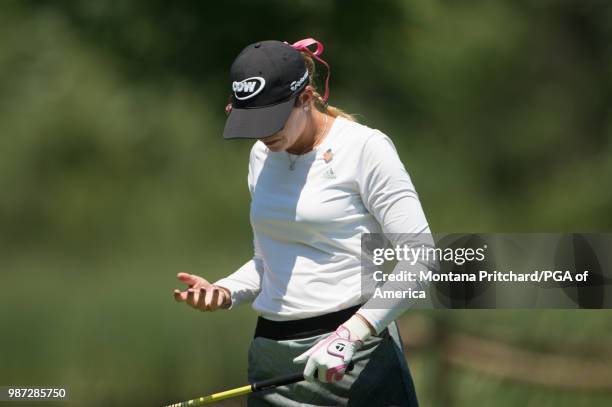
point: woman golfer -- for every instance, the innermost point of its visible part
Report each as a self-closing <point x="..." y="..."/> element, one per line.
<point x="318" y="180"/>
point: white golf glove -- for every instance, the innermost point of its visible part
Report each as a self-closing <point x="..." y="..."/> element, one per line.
<point x="330" y="356"/>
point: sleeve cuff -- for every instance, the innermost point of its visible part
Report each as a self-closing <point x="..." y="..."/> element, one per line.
<point x="372" y="319"/>
<point x="357" y="328"/>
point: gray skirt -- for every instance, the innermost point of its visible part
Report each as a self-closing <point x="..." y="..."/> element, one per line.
<point x="381" y="376"/>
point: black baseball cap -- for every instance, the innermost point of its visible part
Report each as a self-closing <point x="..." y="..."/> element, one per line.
<point x="266" y="78"/>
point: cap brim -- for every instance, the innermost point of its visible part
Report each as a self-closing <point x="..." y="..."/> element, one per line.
<point x="257" y="122"/>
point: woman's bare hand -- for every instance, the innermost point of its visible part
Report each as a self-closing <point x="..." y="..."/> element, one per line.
<point x="201" y="294"/>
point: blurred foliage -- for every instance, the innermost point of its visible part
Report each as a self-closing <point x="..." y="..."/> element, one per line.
<point x="114" y="175"/>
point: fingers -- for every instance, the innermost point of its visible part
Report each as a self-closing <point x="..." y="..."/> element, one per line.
<point x="180" y="296"/>
<point x="303" y="357"/>
<point x="309" y="370"/>
<point x="196" y="295"/>
<point x="212" y="296"/>
<point x="332" y="374"/>
<point x="348" y="356"/>
<point x="202" y="297"/>
<point x="192" y="297"/>
<point x="187" y="278"/>
<point x="192" y="280"/>
<point x="209" y="298"/>
<point x="220" y="301"/>
<point x="318" y="371"/>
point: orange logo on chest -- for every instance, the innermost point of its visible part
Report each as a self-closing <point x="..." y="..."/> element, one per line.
<point x="328" y="155"/>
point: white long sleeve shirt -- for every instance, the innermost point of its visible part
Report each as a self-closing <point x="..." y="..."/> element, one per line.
<point x="307" y="223"/>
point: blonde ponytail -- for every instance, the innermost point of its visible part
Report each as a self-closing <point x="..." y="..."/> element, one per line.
<point x="319" y="103"/>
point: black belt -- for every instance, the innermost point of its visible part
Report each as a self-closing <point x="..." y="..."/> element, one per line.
<point x="303" y="328"/>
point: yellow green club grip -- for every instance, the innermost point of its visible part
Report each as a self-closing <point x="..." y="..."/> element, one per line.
<point x="200" y="401"/>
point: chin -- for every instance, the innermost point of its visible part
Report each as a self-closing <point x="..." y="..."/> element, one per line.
<point x="276" y="149"/>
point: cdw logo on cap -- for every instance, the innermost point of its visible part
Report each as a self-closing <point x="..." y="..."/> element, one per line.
<point x="249" y="87"/>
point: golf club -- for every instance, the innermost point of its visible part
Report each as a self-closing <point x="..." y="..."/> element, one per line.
<point x="250" y="388"/>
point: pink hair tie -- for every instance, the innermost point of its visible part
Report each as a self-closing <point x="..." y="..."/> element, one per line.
<point x="302" y="45"/>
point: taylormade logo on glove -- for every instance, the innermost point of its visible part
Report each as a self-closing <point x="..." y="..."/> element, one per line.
<point x="330" y="356"/>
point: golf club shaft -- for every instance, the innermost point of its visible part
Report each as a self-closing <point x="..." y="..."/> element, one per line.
<point x="251" y="388"/>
